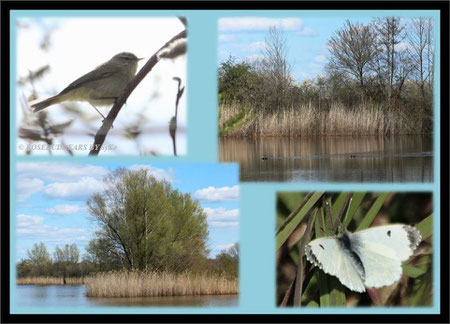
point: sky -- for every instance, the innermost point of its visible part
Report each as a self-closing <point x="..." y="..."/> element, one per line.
<point x="306" y="39"/>
<point x="51" y="204"/>
<point x="77" y="46"/>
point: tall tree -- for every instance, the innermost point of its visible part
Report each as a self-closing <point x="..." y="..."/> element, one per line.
<point x="419" y="37"/>
<point x="276" y="69"/>
<point x="353" y="50"/>
<point x="147" y="223"/>
<point x="39" y="258"/>
<point x="393" y="61"/>
<point x="66" y="260"/>
<point x="229" y="261"/>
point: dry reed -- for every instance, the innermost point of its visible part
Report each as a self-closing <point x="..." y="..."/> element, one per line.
<point x="308" y="120"/>
<point x="49" y="281"/>
<point x="157" y="284"/>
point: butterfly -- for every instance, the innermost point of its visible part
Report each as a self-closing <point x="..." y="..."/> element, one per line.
<point x="368" y="258"/>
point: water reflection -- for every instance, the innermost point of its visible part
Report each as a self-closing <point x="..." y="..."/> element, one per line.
<point x="334" y="158"/>
<point x="75" y="296"/>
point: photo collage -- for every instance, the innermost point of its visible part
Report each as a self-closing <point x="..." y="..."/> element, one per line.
<point x="225" y="161"/>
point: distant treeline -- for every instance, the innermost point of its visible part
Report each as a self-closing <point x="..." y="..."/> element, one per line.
<point x="378" y="80"/>
<point x="66" y="265"/>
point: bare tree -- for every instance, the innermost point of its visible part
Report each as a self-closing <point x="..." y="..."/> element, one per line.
<point x="420" y="47"/>
<point x="352" y="51"/>
<point x="393" y="61"/>
<point x="276" y="68"/>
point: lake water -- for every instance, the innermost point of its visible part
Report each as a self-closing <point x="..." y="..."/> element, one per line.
<point x="331" y="159"/>
<point x="75" y="296"/>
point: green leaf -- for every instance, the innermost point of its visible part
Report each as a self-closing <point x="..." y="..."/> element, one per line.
<point x="373" y="211"/>
<point x="337" y="294"/>
<point x="312" y="303"/>
<point x="283" y="235"/>
<point x="426" y="227"/>
<point x="412" y="271"/>
<point x="323" y="289"/>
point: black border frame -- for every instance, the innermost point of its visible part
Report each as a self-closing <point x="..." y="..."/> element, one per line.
<point x="6" y="6"/>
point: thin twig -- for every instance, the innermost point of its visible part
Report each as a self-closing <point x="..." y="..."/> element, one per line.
<point x="173" y="121"/>
<point x="108" y="122"/>
<point x="294" y="212"/>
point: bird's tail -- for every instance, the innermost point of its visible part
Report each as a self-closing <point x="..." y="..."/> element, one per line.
<point x="40" y="104"/>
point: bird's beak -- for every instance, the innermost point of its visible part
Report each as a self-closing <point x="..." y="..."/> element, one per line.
<point x="141" y="58"/>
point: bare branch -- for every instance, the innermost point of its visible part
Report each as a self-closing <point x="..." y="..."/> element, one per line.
<point x="108" y="122"/>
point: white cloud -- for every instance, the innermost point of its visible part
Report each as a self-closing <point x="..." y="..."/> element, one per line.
<point x="253" y="23"/>
<point x="222" y="218"/>
<point x="403" y="46"/>
<point x="222" y="214"/>
<point x="34" y="227"/>
<point x="26" y="187"/>
<point x="27" y="221"/>
<point x="48" y="171"/>
<point x="224" y="224"/>
<point x="65" y="209"/>
<point x="224" y="38"/>
<point x="158" y="173"/>
<point x="320" y="58"/>
<point x="80" y="189"/>
<point x="307" y="31"/>
<point x="213" y="194"/>
<point x="257" y="46"/>
<point x="222" y="247"/>
<point x="252" y="47"/>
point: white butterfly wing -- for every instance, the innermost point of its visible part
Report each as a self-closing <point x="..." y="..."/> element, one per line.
<point x="326" y="254"/>
<point x="404" y="239"/>
<point x="382" y="250"/>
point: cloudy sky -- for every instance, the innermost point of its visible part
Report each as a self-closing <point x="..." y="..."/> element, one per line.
<point x="51" y="200"/>
<point x="306" y="38"/>
<point x="76" y="46"/>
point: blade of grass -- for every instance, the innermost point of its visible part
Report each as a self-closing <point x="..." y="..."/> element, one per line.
<point x="287" y="295"/>
<point x="354" y="204"/>
<point x="373" y="211"/>
<point x="338" y="203"/>
<point x="426" y="227"/>
<point x="294" y="212"/>
<point x="341" y="212"/>
<point x="283" y="235"/>
<point x="322" y="223"/>
<point x="328" y="216"/>
<point x="300" y="270"/>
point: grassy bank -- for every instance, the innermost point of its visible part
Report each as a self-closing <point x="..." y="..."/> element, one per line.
<point x="309" y="120"/>
<point x="156" y="284"/>
<point x="49" y="281"/>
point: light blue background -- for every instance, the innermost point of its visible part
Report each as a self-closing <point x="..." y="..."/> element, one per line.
<point x="257" y="244"/>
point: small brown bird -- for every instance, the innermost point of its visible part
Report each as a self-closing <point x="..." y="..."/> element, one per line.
<point x="100" y="87"/>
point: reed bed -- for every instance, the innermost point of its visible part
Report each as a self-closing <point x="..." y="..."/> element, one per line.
<point x="49" y="281"/>
<point x="157" y="284"/>
<point x="307" y="120"/>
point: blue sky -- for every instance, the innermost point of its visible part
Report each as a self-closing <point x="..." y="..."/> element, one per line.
<point x="51" y="204"/>
<point x="306" y="39"/>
